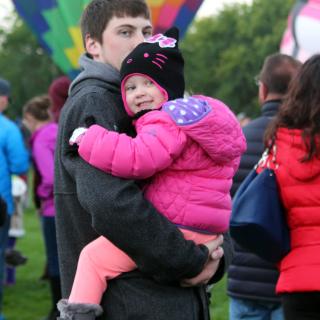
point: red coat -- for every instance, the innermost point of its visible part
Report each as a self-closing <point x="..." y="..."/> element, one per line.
<point x="300" y="192"/>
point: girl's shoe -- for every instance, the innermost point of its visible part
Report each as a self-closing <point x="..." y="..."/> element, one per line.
<point x="78" y="311"/>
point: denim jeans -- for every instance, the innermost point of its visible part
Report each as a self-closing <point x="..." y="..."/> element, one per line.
<point x="254" y="310"/>
<point x="4" y="231"/>
<point x="50" y="240"/>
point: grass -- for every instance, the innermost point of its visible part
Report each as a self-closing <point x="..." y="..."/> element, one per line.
<point x="219" y="308"/>
<point x="29" y="298"/>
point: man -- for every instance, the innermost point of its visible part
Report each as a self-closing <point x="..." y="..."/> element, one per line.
<point x="91" y="203"/>
<point x="13" y="160"/>
<point x="251" y="280"/>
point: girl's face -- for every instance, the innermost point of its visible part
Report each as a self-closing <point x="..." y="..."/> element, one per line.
<point x="30" y="122"/>
<point x="143" y="94"/>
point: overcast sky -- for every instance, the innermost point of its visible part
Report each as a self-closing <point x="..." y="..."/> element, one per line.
<point x="208" y="7"/>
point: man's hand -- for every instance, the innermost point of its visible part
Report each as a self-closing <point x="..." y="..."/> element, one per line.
<point x="215" y="254"/>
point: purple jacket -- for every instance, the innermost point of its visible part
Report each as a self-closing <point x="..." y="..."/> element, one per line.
<point x="43" y="143"/>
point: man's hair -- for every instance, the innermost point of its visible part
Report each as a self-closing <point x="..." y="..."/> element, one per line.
<point x="277" y="71"/>
<point x="4" y="87"/>
<point x="98" y="13"/>
<point x="38" y="107"/>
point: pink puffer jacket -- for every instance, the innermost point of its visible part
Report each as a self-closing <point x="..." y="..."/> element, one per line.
<point x="191" y="166"/>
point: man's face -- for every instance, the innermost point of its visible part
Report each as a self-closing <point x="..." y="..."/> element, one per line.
<point x="4" y="101"/>
<point x="119" y="38"/>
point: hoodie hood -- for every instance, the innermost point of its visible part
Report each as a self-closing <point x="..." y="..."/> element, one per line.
<point x="291" y="142"/>
<point x="92" y="69"/>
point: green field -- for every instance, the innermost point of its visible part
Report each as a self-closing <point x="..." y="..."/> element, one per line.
<point x="29" y="299"/>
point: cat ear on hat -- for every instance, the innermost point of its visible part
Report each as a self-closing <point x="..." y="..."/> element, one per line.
<point x="172" y="33"/>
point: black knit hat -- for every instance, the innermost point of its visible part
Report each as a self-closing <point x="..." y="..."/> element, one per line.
<point x="160" y="59"/>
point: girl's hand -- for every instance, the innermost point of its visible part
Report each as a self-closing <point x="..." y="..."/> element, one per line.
<point x="77" y="136"/>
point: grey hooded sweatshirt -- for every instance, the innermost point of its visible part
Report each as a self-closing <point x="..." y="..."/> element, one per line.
<point x="90" y="203"/>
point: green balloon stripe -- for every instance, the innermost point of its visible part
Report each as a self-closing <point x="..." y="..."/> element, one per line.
<point x="58" y="37"/>
<point x="71" y="11"/>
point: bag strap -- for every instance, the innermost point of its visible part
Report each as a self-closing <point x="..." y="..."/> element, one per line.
<point x="264" y="162"/>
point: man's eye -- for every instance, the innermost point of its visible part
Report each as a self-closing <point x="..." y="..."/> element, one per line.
<point x="147" y="34"/>
<point x="125" y="33"/>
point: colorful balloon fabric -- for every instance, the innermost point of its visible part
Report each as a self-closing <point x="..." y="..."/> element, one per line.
<point x="56" y="24"/>
<point x="301" y="39"/>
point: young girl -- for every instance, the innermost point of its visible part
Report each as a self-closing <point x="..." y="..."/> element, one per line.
<point x="38" y="120"/>
<point x="190" y="148"/>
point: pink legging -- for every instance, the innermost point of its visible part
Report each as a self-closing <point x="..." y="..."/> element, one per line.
<point x="101" y="260"/>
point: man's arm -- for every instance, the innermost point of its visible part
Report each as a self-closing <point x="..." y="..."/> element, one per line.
<point x="17" y="155"/>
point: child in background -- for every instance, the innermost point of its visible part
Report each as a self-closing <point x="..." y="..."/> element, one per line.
<point x="37" y="119"/>
<point x="190" y="148"/>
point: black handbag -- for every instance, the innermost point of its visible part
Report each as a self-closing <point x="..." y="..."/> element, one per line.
<point x="258" y="222"/>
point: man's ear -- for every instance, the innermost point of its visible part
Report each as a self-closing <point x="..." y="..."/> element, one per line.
<point x="92" y="46"/>
<point x="4" y="101"/>
<point x="263" y="92"/>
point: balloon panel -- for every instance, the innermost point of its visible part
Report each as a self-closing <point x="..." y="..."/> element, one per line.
<point x="301" y="38"/>
<point x="56" y="24"/>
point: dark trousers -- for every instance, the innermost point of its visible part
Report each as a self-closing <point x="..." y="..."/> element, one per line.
<point x="4" y="230"/>
<point x="50" y="240"/>
<point x="301" y="306"/>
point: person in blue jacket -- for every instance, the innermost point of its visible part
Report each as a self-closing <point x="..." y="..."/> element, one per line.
<point x="14" y="159"/>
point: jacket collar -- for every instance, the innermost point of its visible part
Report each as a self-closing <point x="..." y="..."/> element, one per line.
<point x="270" y="108"/>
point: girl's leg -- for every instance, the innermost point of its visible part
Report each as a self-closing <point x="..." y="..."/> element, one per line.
<point x="10" y="269"/>
<point x="99" y="261"/>
<point x="197" y="237"/>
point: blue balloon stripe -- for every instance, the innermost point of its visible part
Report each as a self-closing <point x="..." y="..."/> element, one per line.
<point x="33" y="18"/>
<point x="183" y="19"/>
<point x="27" y="7"/>
<point x="73" y="73"/>
<point x="47" y="4"/>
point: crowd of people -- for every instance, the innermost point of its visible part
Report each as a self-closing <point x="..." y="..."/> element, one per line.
<point x="133" y="181"/>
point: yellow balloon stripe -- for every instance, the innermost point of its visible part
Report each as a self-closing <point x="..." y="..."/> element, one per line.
<point x="153" y="3"/>
<point x="74" y="52"/>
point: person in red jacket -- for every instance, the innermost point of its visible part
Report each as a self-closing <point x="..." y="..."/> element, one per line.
<point x="294" y="136"/>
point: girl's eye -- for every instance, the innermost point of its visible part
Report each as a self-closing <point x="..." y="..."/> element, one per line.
<point x="149" y="83"/>
<point x="130" y="88"/>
